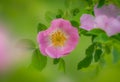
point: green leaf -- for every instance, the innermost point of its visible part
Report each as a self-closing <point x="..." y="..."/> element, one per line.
<point x="85" y="62"/>
<point x="84" y="32"/>
<point x="75" y="23"/>
<point x="97" y="54"/>
<point x="56" y="61"/>
<point x="102" y="38"/>
<point x="38" y="60"/>
<point x="95" y="32"/>
<point x="62" y="65"/>
<point x="117" y="37"/>
<point x="101" y="3"/>
<point x="88" y="59"/>
<point x="41" y="27"/>
<point x="90" y="50"/>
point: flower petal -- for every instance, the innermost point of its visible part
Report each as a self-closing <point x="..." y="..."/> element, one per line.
<point x="58" y="23"/>
<point x="110" y="25"/>
<point x="43" y="41"/>
<point x="87" y="22"/>
<point x="114" y="27"/>
<point x="110" y="11"/>
<point x="102" y="21"/>
<point x="54" y="52"/>
<point x="72" y="41"/>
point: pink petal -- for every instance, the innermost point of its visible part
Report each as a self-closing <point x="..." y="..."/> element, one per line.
<point x="58" y="23"/>
<point x="43" y="41"/>
<point x="87" y="22"/>
<point x="114" y="27"/>
<point x="54" y="52"/>
<point x="110" y="25"/>
<point x="72" y="41"/>
<point x="110" y="11"/>
<point x="102" y="21"/>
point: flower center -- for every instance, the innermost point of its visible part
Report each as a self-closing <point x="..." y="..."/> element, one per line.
<point x="58" y="38"/>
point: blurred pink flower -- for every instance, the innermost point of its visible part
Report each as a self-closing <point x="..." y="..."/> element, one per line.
<point x="4" y="50"/>
<point x="106" y="18"/>
<point x="58" y="40"/>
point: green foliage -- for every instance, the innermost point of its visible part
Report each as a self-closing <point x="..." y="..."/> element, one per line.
<point x="61" y="65"/>
<point x="117" y="37"/>
<point x="107" y="49"/>
<point x="83" y="32"/>
<point x="85" y="62"/>
<point x="38" y="60"/>
<point x="102" y="38"/>
<point x="75" y="23"/>
<point x="88" y="59"/>
<point x="90" y="2"/>
<point x="56" y="61"/>
<point x="90" y="50"/>
<point x="75" y="11"/>
<point x="116" y="2"/>
<point x="59" y="13"/>
<point x="49" y="16"/>
<point x="101" y="3"/>
<point x="41" y="27"/>
<point x="97" y="55"/>
<point x="95" y="31"/>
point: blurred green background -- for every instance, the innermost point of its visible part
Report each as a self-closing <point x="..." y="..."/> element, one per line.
<point x="23" y="17"/>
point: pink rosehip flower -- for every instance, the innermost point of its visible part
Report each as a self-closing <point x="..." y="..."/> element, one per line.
<point x="106" y="18"/>
<point x="58" y="40"/>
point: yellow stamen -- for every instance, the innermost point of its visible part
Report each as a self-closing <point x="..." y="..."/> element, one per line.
<point x="58" y="38"/>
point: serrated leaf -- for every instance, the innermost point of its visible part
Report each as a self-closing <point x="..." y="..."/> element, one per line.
<point x="97" y="55"/>
<point x="56" y="61"/>
<point x="85" y="62"/>
<point x="62" y="65"/>
<point x="88" y="59"/>
<point x="90" y="50"/>
<point x="100" y="3"/>
<point x="41" y="27"/>
<point x="38" y="60"/>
